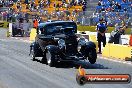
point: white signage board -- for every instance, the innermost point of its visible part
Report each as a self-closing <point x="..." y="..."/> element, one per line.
<point x="10" y="28"/>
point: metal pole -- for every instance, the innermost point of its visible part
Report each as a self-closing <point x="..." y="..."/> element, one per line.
<point x="2" y="16"/>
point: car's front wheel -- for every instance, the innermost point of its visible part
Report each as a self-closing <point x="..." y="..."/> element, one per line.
<point x="50" y="58"/>
<point x="92" y="56"/>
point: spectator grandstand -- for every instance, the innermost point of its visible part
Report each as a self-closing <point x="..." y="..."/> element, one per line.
<point x="113" y="11"/>
<point x="46" y="9"/>
<point x="88" y="11"/>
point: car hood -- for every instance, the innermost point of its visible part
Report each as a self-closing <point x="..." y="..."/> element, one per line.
<point x="63" y="36"/>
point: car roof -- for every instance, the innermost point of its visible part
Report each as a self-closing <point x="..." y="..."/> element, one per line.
<point x="54" y="22"/>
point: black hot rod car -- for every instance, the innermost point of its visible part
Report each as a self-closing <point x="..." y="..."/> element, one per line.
<point x="57" y="41"/>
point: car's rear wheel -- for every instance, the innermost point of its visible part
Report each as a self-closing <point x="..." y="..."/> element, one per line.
<point x="92" y="56"/>
<point x="50" y="58"/>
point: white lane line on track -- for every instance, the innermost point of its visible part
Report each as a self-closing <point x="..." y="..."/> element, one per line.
<point x="116" y="60"/>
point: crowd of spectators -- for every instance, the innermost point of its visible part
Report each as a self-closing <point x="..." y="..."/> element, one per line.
<point x="113" y="11"/>
<point x="16" y="12"/>
<point x="114" y="5"/>
<point x="112" y="17"/>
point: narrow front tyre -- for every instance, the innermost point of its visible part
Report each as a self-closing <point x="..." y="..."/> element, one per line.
<point x="92" y="56"/>
<point x="50" y="58"/>
<point x="32" y="53"/>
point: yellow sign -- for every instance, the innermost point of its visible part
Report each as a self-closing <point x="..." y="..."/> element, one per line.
<point x="33" y="34"/>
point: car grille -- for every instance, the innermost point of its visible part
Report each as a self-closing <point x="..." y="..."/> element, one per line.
<point x="71" y="45"/>
<point x="71" y="49"/>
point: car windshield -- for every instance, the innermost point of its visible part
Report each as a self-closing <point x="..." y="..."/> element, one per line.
<point x="53" y="29"/>
<point x="56" y="28"/>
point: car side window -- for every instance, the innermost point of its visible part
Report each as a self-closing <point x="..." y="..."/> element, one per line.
<point x="71" y="25"/>
<point x="41" y="30"/>
<point x="52" y="29"/>
<point x="49" y="29"/>
<point x="58" y="27"/>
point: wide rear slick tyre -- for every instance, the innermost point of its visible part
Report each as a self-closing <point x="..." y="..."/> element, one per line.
<point x="50" y="58"/>
<point x="92" y="56"/>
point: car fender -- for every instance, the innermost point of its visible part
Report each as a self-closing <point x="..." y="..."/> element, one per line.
<point x="87" y="47"/>
<point x="34" y="44"/>
<point x="37" y="49"/>
<point x="90" y="44"/>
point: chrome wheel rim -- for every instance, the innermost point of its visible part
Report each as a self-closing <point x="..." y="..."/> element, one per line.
<point x="48" y="56"/>
<point x="32" y="55"/>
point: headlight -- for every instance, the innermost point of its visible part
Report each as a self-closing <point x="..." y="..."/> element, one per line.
<point x="82" y="41"/>
<point x="61" y="43"/>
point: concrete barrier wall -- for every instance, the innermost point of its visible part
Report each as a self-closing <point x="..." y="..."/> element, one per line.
<point x="117" y="51"/>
